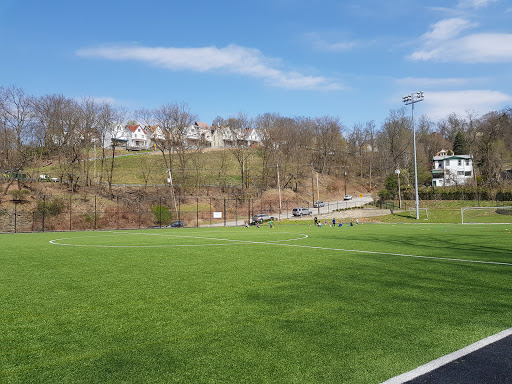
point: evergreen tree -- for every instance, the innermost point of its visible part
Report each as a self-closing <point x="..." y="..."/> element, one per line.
<point x="460" y="145"/>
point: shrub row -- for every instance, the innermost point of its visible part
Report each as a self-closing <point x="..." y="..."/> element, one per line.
<point x="452" y="193"/>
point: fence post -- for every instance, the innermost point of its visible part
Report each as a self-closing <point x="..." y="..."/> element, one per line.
<point x="15" y="213"/>
<point x="197" y="212"/>
<point x="236" y="212"/>
<point x="138" y="212"/>
<point x="95" y="213"/>
<point x="117" y="212"/>
<point x="44" y="209"/>
<point x="210" y="211"/>
<point x="160" y="212"/>
<point x="70" y="213"/>
<point x="224" y="211"/>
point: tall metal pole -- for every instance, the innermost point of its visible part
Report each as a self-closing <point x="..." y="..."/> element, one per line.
<point x="94" y="141"/>
<point x="397" y="171"/>
<point x="412" y="99"/>
<point x="415" y="166"/>
<point x="279" y="187"/>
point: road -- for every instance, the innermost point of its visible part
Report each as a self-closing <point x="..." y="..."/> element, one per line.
<point x="330" y="206"/>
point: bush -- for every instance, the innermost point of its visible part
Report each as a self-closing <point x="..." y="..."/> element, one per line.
<point x="161" y="214"/>
<point x="50" y="208"/>
<point x="19" y="195"/>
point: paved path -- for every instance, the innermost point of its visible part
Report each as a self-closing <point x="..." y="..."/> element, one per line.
<point x="327" y="209"/>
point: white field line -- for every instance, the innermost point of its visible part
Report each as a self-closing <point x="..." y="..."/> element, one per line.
<point x="275" y="242"/>
<point x="229" y="241"/>
<point x="434" y="364"/>
<point x="396" y="254"/>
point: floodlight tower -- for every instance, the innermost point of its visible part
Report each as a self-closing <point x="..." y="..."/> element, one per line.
<point x="412" y="99"/>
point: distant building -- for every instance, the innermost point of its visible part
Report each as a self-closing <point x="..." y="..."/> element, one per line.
<point x="131" y="137"/>
<point x="450" y="169"/>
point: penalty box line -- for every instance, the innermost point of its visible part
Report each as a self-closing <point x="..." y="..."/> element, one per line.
<point x="390" y="254"/>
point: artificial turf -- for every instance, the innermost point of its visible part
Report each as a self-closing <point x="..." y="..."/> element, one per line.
<point x="253" y="305"/>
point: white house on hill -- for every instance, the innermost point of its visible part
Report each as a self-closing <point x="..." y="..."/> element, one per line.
<point x="132" y="137"/>
<point x="449" y="169"/>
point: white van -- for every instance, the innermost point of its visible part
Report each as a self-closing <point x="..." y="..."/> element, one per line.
<point x="301" y="211"/>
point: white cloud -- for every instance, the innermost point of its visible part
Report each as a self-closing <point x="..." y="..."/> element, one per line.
<point x="438" y="105"/>
<point x="425" y="82"/>
<point x="232" y="59"/>
<point x="323" y="45"/>
<point x="476" y="48"/>
<point x="446" y="29"/>
<point x="474" y="4"/>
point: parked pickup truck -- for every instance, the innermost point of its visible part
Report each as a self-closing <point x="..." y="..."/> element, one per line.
<point x="301" y="211"/>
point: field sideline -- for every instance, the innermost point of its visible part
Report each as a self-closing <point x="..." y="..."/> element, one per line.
<point x="291" y="304"/>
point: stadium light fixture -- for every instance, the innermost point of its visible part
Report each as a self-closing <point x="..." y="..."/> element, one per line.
<point x="412" y="99"/>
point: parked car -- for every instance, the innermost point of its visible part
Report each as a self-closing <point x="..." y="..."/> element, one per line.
<point x="347" y="197"/>
<point x="176" y="224"/>
<point x="319" y="204"/>
<point x="301" y="211"/>
<point x="261" y="217"/>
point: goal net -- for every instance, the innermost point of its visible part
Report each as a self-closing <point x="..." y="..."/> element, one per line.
<point x="423" y="213"/>
<point x="486" y="215"/>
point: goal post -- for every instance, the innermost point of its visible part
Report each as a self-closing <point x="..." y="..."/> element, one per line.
<point x="486" y="215"/>
<point x="422" y="212"/>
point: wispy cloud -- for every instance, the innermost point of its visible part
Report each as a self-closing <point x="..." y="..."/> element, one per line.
<point x="426" y="83"/>
<point x="438" y="105"/>
<point x="443" y="43"/>
<point x="446" y="29"/>
<point x="321" y="44"/>
<point x="477" y="48"/>
<point x="231" y="59"/>
<point x="474" y="4"/>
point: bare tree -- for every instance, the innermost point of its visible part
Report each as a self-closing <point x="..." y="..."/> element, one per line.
<point x="173" y="120"/>
<point x="491" y="146"/>
<point x="239" y="127"/>
<point x="15" y="112"/>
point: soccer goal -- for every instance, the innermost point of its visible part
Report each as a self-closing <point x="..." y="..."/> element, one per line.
<point x="423" y="212"/>
<point x="486" y="215"/>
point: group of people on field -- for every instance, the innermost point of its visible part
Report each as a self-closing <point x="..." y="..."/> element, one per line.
<point x="319" y="224"/>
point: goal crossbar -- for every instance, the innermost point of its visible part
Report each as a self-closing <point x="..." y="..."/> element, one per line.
<point x="463" y="209"/>
<point x="412" y="211"/>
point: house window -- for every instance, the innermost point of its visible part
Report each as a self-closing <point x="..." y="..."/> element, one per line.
<point x="459" y="163"/>
<point x="467" y="163"/>
<point x="467" y="173"/>
<point x="460" y="173"/>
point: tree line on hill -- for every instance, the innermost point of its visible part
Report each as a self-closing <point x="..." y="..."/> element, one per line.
<point x="64" y="130"/>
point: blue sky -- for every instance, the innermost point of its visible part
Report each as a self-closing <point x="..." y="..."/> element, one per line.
<point x="351" y="59"/>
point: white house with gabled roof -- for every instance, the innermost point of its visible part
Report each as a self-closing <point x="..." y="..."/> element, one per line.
<point x="449" y="169"/>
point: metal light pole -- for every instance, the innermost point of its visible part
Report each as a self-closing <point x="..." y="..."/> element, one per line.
<point x="412" y="99"/>
<point x="397" y="171"/>
<point x="94" y="142"/>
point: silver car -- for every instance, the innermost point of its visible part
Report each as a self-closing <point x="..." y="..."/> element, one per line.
<point x="261" y="217"/>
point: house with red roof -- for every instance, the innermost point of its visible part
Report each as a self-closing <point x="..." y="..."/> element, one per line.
<point x="130" y="137"/>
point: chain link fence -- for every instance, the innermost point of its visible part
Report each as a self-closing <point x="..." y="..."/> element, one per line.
<point x="93" y="212"/>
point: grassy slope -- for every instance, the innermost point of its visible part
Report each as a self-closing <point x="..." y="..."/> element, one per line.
<point x="129" y="168"/>
<point x="247" y="312"/>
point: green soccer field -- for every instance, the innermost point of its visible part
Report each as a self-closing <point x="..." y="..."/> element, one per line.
<point x="293" y="304"/>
